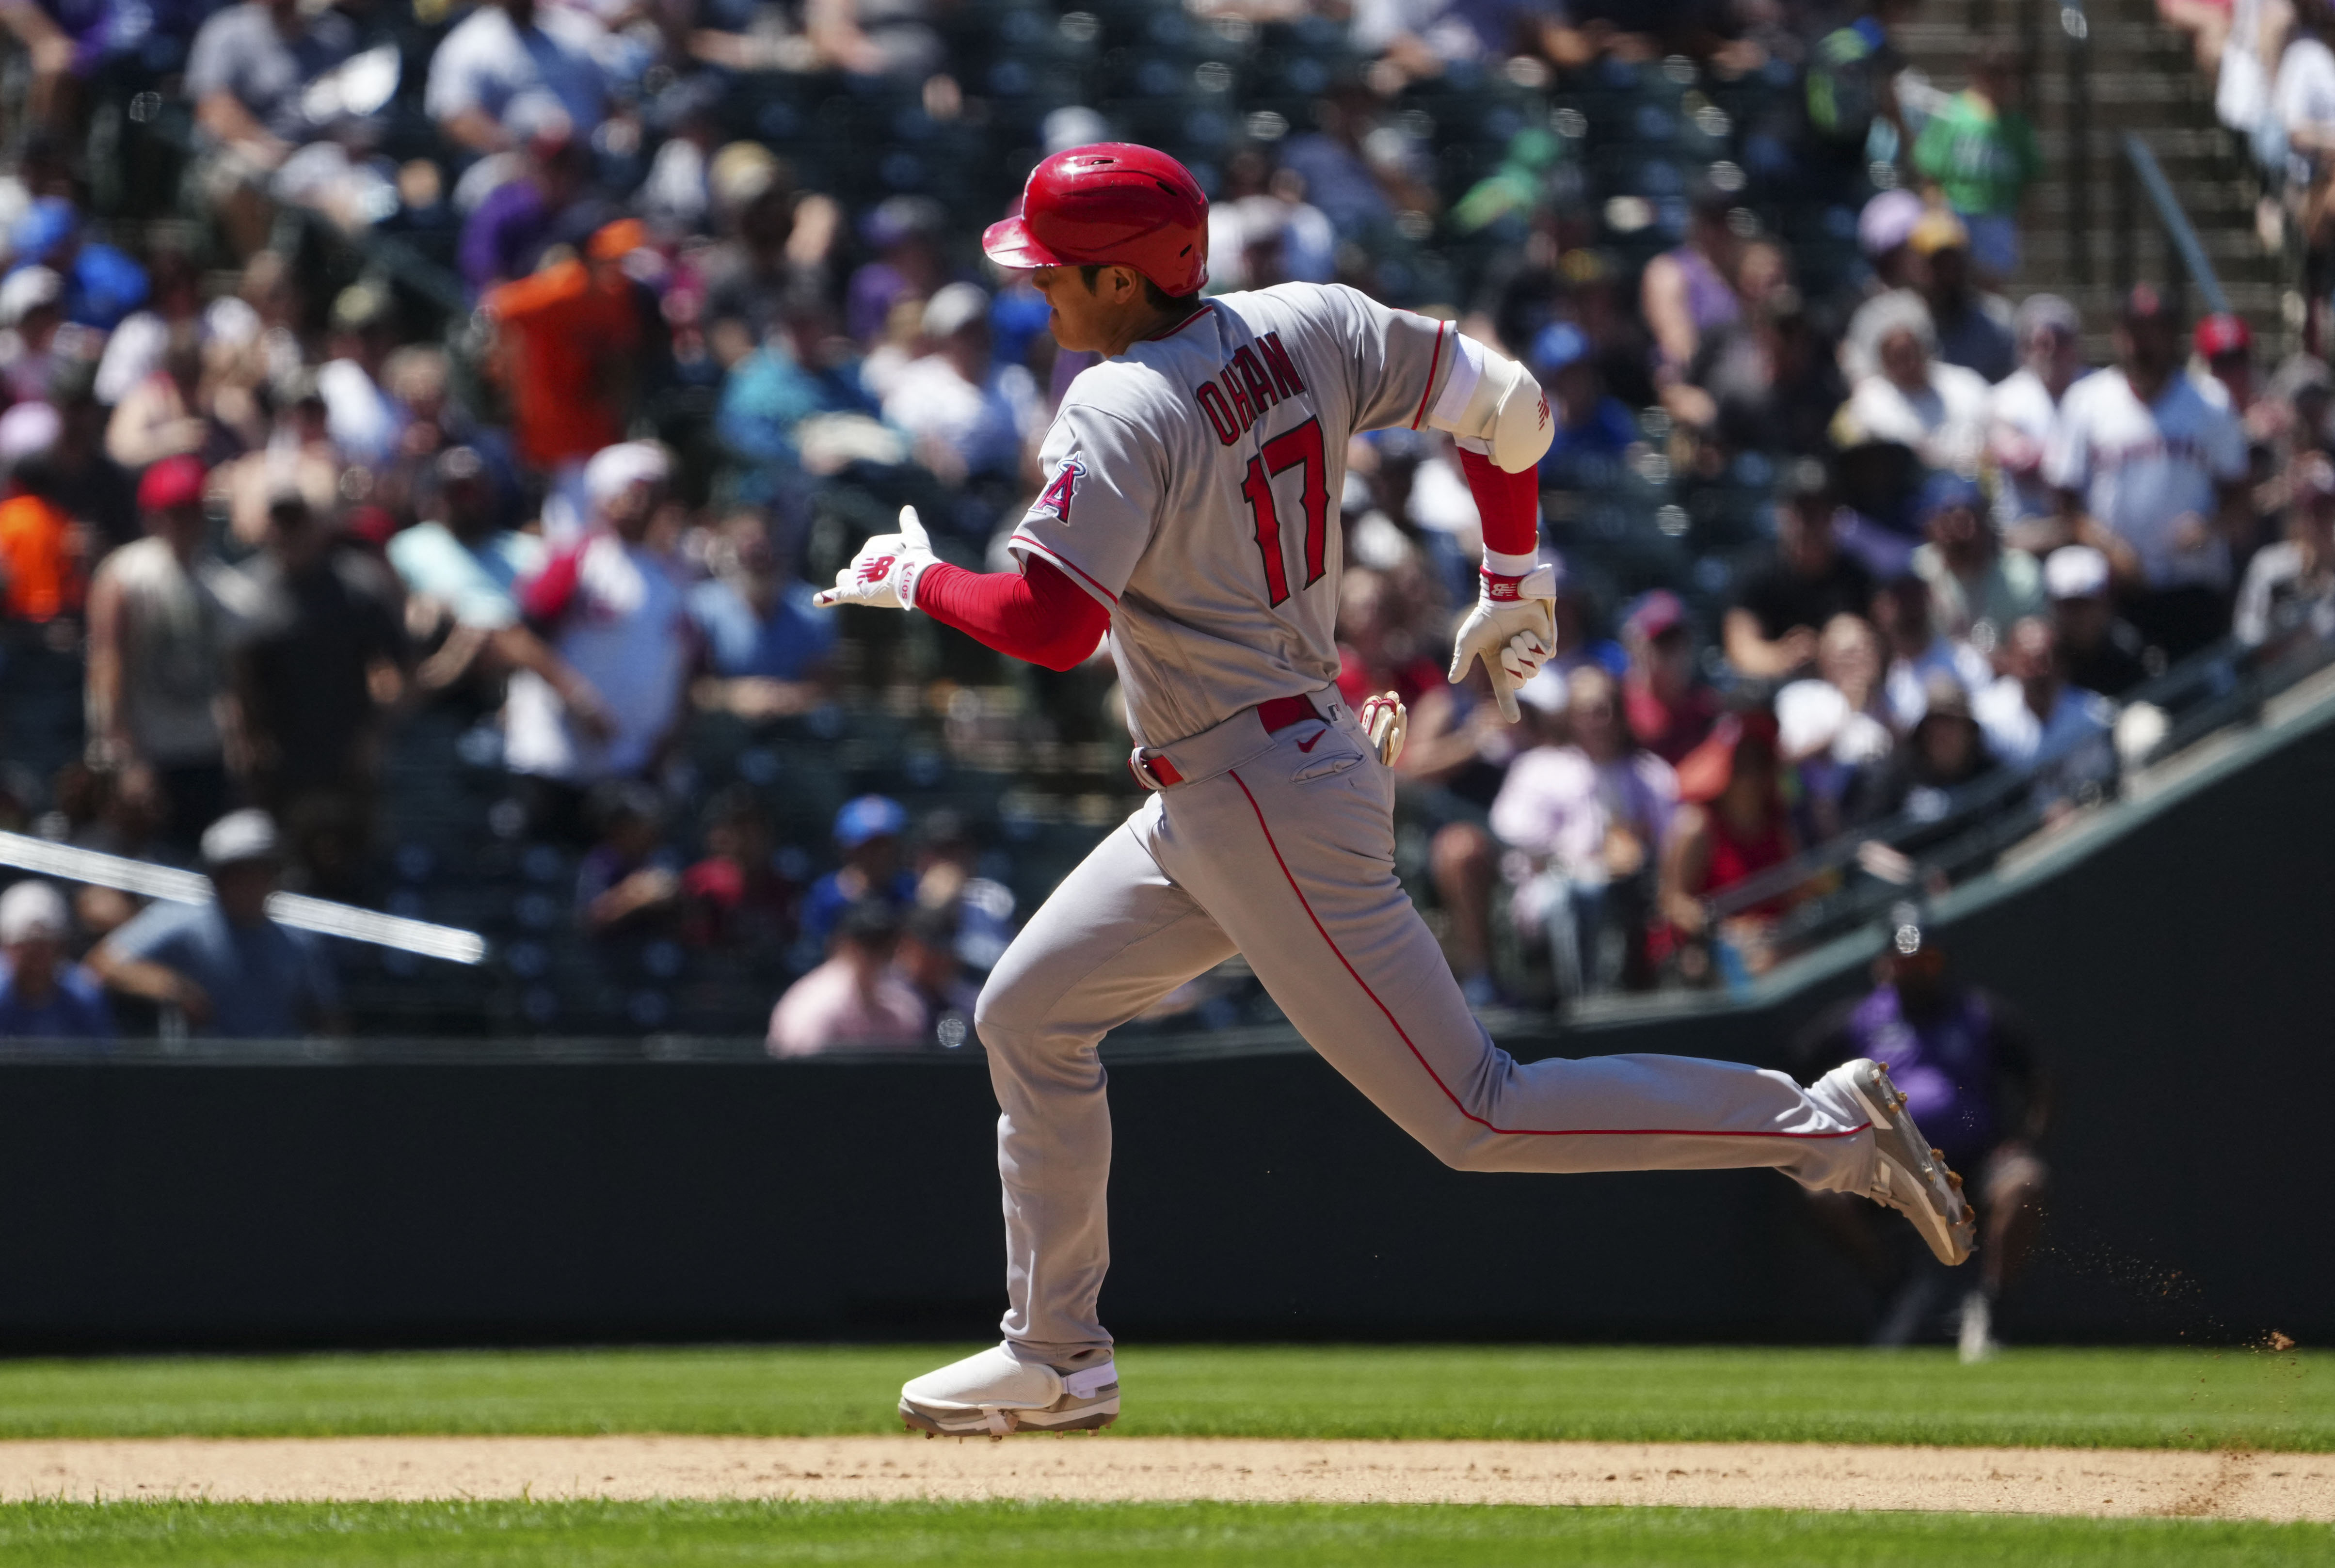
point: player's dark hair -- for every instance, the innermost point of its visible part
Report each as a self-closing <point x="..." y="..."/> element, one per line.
<point x="1155" y="297"/>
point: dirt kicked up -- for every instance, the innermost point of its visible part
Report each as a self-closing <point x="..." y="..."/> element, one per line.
<point x="1104" y="1468"/>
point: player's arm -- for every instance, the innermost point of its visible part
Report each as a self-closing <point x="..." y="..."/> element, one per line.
<point x="1497" y="410"/>
<point x="1037" y="614"/>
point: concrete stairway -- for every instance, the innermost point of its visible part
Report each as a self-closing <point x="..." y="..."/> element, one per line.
<point x="2092" y="231"/>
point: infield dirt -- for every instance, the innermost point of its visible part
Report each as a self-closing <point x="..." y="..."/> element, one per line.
<point x="1105" y="1468"/>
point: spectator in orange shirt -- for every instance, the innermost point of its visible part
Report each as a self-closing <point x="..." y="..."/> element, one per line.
<point x="41" y="550"/>
<point x="571" y="334"/>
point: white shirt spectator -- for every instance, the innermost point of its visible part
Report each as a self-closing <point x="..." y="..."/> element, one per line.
<point x="2022" y="414"/>
<point x="1945" y="423"/>
<point x="2080" y="724"/>
<point x="982" y="427"/>
<point x="2241" y="90"/>
<point x="1906" y="685"/>
<point x="363" y="421"/>
<point x="2304" y="98"/>
<point x="1558" y="804"/>
<point x="486" y="62"/>
<point x="827" y="1010"/>
<point x="623" y="627"/>
<point x="2142" y="467"/>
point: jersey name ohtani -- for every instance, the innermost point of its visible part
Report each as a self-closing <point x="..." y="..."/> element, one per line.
<point x="1253" y="380"/>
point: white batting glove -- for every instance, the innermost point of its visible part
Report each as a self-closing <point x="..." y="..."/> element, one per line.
<point x="1387" y="723"/>
<point x="883" y="575"/>
<point x="1512" y="629"/>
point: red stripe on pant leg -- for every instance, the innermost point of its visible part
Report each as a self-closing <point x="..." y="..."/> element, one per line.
<point x="1512" y="1131"/>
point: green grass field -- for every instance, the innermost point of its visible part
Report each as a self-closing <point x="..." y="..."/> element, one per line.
<point x="2145" y="1398"/>
<point x="1042" y="1535"/>
<point x="2086" y="1399"/>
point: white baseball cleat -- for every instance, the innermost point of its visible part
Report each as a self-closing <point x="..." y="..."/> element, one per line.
<point x="992" y="1394"/>
<point x="1910" y="1177"/>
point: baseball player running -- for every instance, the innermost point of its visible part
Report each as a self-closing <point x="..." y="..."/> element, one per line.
<point x="1189" y="514"/>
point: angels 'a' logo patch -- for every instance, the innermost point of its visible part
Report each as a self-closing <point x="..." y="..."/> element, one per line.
<point x="1056" y="496"/>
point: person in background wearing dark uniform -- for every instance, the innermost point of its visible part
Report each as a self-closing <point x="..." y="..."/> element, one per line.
<point x="1968" y="1064"/>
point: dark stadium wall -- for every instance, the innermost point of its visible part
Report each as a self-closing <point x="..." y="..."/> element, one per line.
<point x="2181" y="973"/>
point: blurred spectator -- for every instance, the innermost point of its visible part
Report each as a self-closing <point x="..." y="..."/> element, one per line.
<point x="2026" y="406"/>
<point x="1974" y="327"/>
<point x="856" y="998"/>
<point x="461" y="573"/>
<point x="158" y="638"/>
<point x="630" y="881"/>
<point x="1669" y="705"/>
<point x="250" y="65"/>
<point x="32" y="317"/>
<point x="1589" y="815"/>
<point x="1590" y="422"/>
<point x="163" y="412"/>
<point x="905" y="232"/>
<point x="100" y="284"/>
<point x="928" y="960"/>
<point x="867" y="835"/>
<point x="1773" y="381"/>
<point x="2151" y="473"/>
<point x="44" y="995"/>
<point x="766" y="647"/>
<point x="1942" y="751"/>
<point x="96" y="491"/>
<point x="1771" y="631"/>
<point x="361" y="420"/>
<point x="507" y="54"/>
<point x="1980" y="150"/>
<point x="1969" y="1069"/>
<point x="1835" y="724"/>
<point x="965" y="415"/>
<point x="572" y="334"/>
<point x="541" y="204"/>
<point x="1910" y="398"/>
<point x="1689" y="291"/>
<point x="319" y="661"/>
<point x="1732" y="823"/>
<point x="2289" y="595"/>
<point x="1916" y="650"/>
<point x="1978" y="586"/>
<point x="2225" y="344"/>
<point x="298" y="458"/>
<point x="612" y="608"/>
<point x="2035" y="720"/>
<point x="979" y="909"/>
<point x="2099" y="649"/>
<point x="225" y="966"/>
<point x="42" y="551"/>
<point x="739" y="896"/>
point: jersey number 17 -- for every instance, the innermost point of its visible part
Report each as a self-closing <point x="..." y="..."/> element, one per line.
<point x="1289" y="450"/>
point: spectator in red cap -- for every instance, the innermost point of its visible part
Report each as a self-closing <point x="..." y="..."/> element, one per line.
<point x="158" y="636"/>
<point x="1669" y="706"/>
<point x="2226" y="344"/>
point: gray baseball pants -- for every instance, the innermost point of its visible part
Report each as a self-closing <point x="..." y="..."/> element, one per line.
<point x="1280" y="847"/>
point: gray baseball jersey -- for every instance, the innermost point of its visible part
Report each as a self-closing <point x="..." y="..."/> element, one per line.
<point x="1190" y="488"/>
<point x="1193" y="487"/>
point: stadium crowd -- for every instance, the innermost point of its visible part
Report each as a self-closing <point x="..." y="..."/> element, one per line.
<point x="421" y="426"/>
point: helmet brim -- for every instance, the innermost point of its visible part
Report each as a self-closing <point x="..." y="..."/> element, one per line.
<point x="1009" y="243"/>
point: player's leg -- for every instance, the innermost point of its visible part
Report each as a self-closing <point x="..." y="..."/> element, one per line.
<point x="1115" y="937"/>
<point x="1296" y="861"/>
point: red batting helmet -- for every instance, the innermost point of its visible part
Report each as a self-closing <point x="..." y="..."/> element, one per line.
<point x="1112" y="204"/>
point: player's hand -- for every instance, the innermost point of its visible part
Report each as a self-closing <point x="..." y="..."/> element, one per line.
<point x="883" y="575"/>
<point x="1388" y="724"/>
<point x="1512" y="629"/>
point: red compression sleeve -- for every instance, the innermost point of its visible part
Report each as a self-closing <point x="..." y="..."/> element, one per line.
<point x="1508" y="503"/>
<point x="1038" y="615"/>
